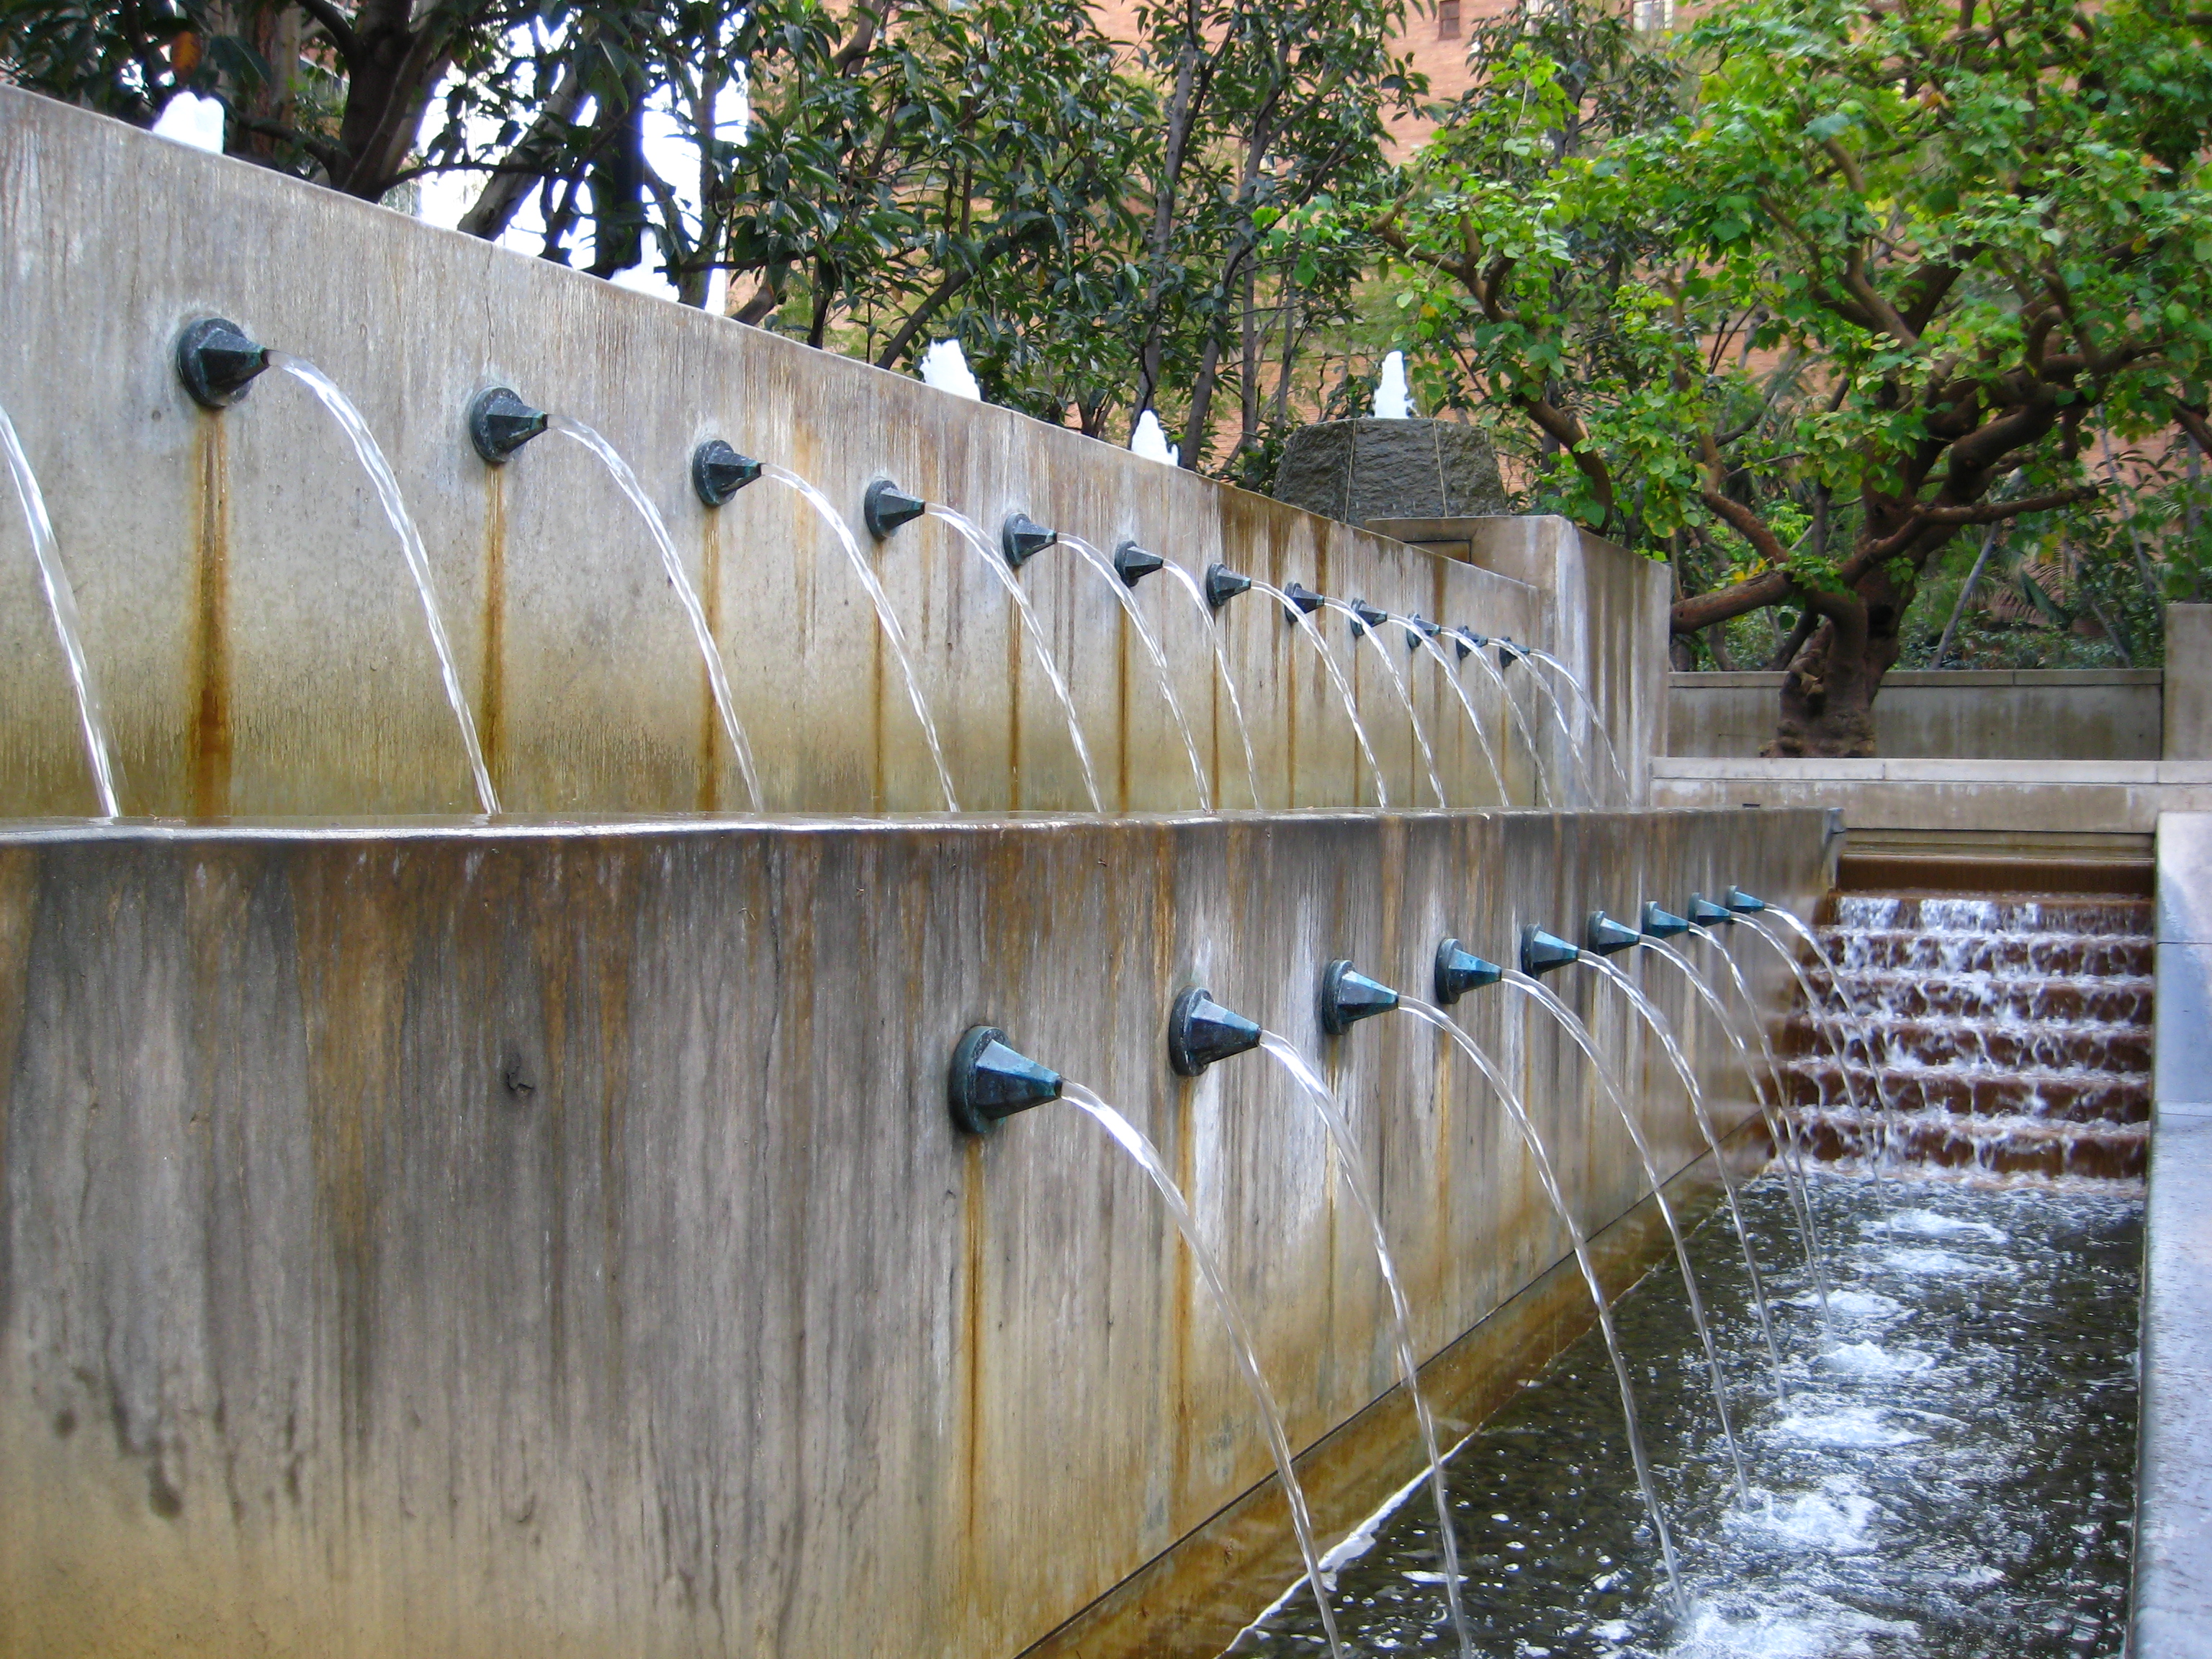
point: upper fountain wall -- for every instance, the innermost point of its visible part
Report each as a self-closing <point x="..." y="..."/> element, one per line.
<point x="262" y="651"/>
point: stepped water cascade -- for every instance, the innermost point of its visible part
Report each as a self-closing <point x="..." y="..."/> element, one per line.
<point x="509" y="1138"/>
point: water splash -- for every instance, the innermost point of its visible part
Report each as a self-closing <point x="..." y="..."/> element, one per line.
<point x="1039" y="645"/>
<point x="1305" y="624"/>
<point x="1099" y="562"/>
<point x="1398" y="685"/>
<point x="1132" y="1141"/>
<point x="1474" y="721"/>
<point x="1610" y="1083"/>
<point x="410" y="547"/>
<point x="1466" y="1045"/>
<point x="61" y="604"/>
<point x="1659" y="1028"/>
<point x="886" y="618"/>
<point x="1853" y="1014"/>
<point x="1228" y="681"/>
<point x="718" y="680"/>
<point x="1356" y="1181"/>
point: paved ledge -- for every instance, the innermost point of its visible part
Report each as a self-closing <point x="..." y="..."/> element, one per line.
<point x="2172" y="1613"/>
<point x="1987" y="796"/>
<point x="1946" y="679"/>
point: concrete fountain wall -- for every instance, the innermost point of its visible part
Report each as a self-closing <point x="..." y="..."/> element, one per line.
<point x="421" y="1237"/>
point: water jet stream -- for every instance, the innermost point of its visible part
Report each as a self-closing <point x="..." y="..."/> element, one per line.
<point x="1358" y="1183"/>
<point x="1336" y="676"/>
<point x="61" y="604"/>
<point x="1852" y="1012"/>
<point x="1547" y="792"/>
<point x="1040" y="648"/>
<point x="1791" y="1155"/>
<point x="718" y="680"/>
<point x="886" y="617"/>
<point x="1132" y="1141"/>
<point x="1577" y="754"/>
<point x="1212" y="623"/>
<point x="1397" y="684"/>
<point x="1580" y="1035"/>
<point x="1597" y="719"/>
<point x="1474" y="721"/>
<point x="1099" y="562"/>
<point x="1680" y="1061"/>
<point x="1466" y="1045"/>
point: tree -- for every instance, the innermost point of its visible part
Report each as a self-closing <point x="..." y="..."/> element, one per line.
<point x="1821" y="276"/>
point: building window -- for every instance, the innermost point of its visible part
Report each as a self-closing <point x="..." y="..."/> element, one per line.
<point x="1654" y="14"/>
<point x="1447" y="20"/>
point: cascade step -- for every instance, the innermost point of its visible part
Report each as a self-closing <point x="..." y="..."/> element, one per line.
<point x="2116" y="999"/>
<point x="1993" y="1146"/>
<point x="2057" y="1097"/>
<point x="1981" y="1044"/>
<point x="1947" y="913"/>
<point x="2072" y="955"/>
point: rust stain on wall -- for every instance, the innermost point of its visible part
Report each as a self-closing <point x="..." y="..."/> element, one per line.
<point x="491" y="709"/>
<point x="710" y="597"/>
<point x="211" y="713"/>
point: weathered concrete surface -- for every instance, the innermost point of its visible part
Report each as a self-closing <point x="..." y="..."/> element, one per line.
<point x="2102" y="714"/>
<point x="246" y="607"/>
<point x="477" y="1242"/>
<point x="2188" y="681"/>
<point x="1607" y="616"/>
<point x="1367" y="469"/>
<point x="2173" y="1607"/>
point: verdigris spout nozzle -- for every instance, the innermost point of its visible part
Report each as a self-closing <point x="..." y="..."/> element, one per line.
<point x="1459" y="970"/>
<point x="1662" y="924"/>
<point x="1541" y="952"/>
<point x="1133" y="563"/>
<point x="217" y="361"/>
<point x="1021" y="539"/>
<point x="1419" y="627"/>
<point x="1223" y="585"/>
<point x="1706" y="914"/>
<point x="500" y="424"/>
<point x="1742" y="903"/>
<point x="1466" y="641"/>
<point x="990" y="1081"/>
<point x="1348" y="996"/>
<point x="1602" y="935"/>
<point x="1201" y="1031"/>
<point x="886" y="507"/>
<point x="1304" y="597"/>
<point x="1367" y="616"/>
<point x="719" y="472"/>
<point x="1509" y="653"/>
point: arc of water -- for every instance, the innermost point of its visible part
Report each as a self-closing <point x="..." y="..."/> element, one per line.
<point x="1336" y="678"/>
<point x="1545" y="782"/>
<point x="1132" y="1141"/>
<point x="1474" y="721"/>
<point x="1099" y="562"/>
<point x="1577" y="754"/>
<point x="886" y="617"/>
<point x="1597" y="719"/>
<point x="410" y="547"/>
<point x="1854" y="1015"/>
<point x="1039" y="646"/>
<point x="1793" y="1178"/>
<point x="1466" y="1045"/>
<point x="1659" y="1028"/>
<point x="1212" y="620"/>
<point x="1405" y="697"/>
<point x="61" y="606"/>
<point x="718" y="680"/>
<point x="1358" y="1182"/>
<point x="1570" y="1023"/>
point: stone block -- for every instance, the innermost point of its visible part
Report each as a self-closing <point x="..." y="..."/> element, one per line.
<point x="1360" y="470"/>
<point x="2188" y="681"/>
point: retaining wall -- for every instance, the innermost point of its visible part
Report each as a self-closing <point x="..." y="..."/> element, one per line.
<point x="2100" y="715"/>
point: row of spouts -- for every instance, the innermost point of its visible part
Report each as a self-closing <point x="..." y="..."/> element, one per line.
<point x="217" y="361"/>
<point x="992" y="1081"/>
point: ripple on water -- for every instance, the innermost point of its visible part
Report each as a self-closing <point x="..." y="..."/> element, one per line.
<point x="1932" y="1224"/>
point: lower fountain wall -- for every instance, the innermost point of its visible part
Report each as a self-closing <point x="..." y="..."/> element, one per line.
<point x="475" y="1241"/>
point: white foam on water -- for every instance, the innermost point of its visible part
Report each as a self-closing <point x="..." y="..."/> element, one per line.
<point x="1871" y="1360"/>
<point x="1844" y="1426"/>
<point x="1930" y="1223"/>
<point x="1850" y="1305"/>
<point x="1838" y="1519"/>
<point x="1932" y="1261"/>
<point x="1824" y="1629"/>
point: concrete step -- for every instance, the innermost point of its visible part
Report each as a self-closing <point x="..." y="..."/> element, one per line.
<point x="1984" y="1044"/>
<point x="2036" y="955"/>
<point x="1927" y="913"/>
<point x="2114" y="998"/>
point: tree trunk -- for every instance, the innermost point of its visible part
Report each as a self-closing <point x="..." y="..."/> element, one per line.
<point x="1828" y="690"/>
